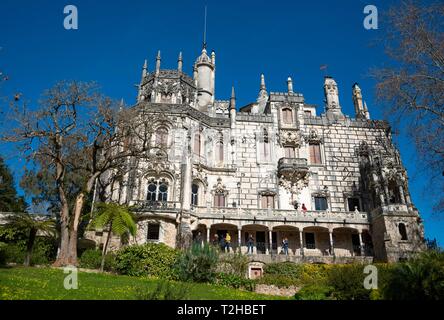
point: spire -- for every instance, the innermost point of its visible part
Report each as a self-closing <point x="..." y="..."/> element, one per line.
<point x="204" y="44"/>
<point x="233" y="99"/>
<point x="145" y="69"/>
<point x="158" y="59"/>
<point x="179" y="62"/>
<point x="290" y="85"/>
<point x="263" y="87"/>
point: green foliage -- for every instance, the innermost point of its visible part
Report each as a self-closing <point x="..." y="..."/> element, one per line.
<point x="279" y="280"/>
<point x="235" y="281"/>
<point x="198" y="263"/>
<point x="421" y="278"/>
<point x="165" y="290"/>
<point x="347" y="282"/>
<point x="92" y="258"/>
<point x="234" y="263"/>
<point x="116" y="216"/>
<point x="284" y="269"/>
<point x="149" y="259"/>
<point x="314" y="292"/>
<point x="44" y="252"/>
<point x="9" y="200"/>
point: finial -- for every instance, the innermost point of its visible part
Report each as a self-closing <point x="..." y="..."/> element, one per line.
<point x="145" y="69"/>
<point x="180" y="62"/>
<point x="204" y="46"/>
<point x="290" y="85"/>
<point x="263" y="82"/>
<point x="158" y="59"/>
<point x="233" y="94"/>
<point x="233" y="99"/>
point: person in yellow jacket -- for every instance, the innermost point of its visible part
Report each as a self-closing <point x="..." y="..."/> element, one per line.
<point x="227" y="241"/>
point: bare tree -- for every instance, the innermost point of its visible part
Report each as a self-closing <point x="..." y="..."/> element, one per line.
<point x="76" y="135"/>
<point x="412" y="87"/>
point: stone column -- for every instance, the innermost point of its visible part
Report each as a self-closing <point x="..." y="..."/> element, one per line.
<point x="361" y="244"/>
<point x="239" y="239"/>
<point x="270" y="239"/>
<point x="401" y="194"/>
<point x="208" y="234"/>
<point x="332" y="245"/>
<point x="301" y="242"/>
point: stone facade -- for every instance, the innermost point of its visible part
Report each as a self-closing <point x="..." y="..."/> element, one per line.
<point x="331" y="184"/>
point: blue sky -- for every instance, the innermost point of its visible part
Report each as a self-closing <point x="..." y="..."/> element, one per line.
<point x="277" y="38"/>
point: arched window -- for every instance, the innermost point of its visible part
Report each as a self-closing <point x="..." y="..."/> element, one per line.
<point x="198" y="144"/>
<point x="195" y="195"/>
<point x="402" y="231"/>
<point x="287" y="116"/>
<point x="157" y="190"/>
<point x="162" y="137"/>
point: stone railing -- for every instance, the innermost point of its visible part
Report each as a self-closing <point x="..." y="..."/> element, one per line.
<point x="145" y="205"/>
<point x="293" y="215"/>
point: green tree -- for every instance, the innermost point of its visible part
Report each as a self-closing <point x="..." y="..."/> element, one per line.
<point x="9" y="200"/>
<point x="116" y="219"/>
<point x="33" y="225"/>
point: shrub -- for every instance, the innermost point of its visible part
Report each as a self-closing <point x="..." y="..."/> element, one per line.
<point x="198" y="263"/>
<point x="234" y="263"/>
<point x="284" y="268"/>
<point x="421" y="278"/>
<point x="149" y="259"/>
<point x="347" y="282"/>
<point x="164" y="290"/>
<point x="92" y="258"/>
<point x="278" y="280"/>
<point x="314" y="292"/>
<point x="43" y="253"/>
<point x="235" y="281"/>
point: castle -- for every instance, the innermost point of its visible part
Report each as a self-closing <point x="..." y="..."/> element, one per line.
<point x="331" y="184"/>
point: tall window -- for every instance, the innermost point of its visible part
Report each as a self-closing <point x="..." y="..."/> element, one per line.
<point x="402" y="231"/>
<point x="267" y="201"/>
<point x="320" y="203"/>
<point x="315" y="153"/>
<point x="194" y="194"/>
<point x="198" y="144"/>
<point x="290" y="152"/>
<point x="287" y="116"/>
<point x="219" y="200"/>
<point x="353" y="203"/>
<point x="220" y="152"/>
<point x="153" y="231"/>
<point x="157" y="190"/>
<point x="162" y="137"/>
<point x="265" y="148"/>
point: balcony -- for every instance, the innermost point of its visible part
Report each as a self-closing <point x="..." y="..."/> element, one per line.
<point x="146" y="205"/>
<point x="292" y="169"/>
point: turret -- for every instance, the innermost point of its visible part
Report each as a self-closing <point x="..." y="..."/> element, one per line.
<point x="141" y="97"/>
<point x="205" y="80"/>
<point x="262" y="99"/>
<point x="179" y="62"/>
<point x="233" y="108"/>
<point x="332" y="106"/>
<point x="158" y="59"/>
<point x="357" y="102"/>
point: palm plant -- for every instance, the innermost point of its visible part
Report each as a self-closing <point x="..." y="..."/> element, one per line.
<point x="33" y="224"/>
<point x="117" y="219"/>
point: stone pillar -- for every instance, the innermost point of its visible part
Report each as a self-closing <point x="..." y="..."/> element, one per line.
<point x="401" y="194"/>
<point x="332" y="245"/>
<point x="301" y="242"/>
<point x="208" y="234"/>
<point x="270" y="239"/>
<point x="239" y="239"/>
<point x="361" y="244"/>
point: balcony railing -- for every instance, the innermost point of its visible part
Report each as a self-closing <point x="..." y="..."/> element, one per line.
<point x="148" y="205"/>
<point x="293" y="168"/>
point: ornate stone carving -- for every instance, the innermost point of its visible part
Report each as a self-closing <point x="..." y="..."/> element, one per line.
<point x="289" y="137"/>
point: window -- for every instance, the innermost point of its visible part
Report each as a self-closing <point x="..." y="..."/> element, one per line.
<point x="162" y="137"/>
<point x="353" y="203"/>
<point x="157" y="190"/>
<point x="194" y="194"/>
<point x="220" y="152"/>
<point x="153" y="231"/>
<point x="320" y="203"/>
<point x="315" y="153"/>
<point x="307" y="113"/>
<point x="197" y="144"/>
<point x="402" y="231"/>
<point x="290" y="152"/>
<point x="267" y="201"/>
<point x="287" y="116"/>
<point x="219" y="200"/>
<point x="310" y="240"/>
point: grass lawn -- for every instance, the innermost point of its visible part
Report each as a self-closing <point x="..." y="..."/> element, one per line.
<point x="47" y="284"/>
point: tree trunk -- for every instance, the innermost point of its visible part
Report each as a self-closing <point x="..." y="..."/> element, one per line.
<point x="105" y="247"/>
<point x="62" y="257"/>
<point x="73" y="231"/>
<point x="29" y="247"/>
